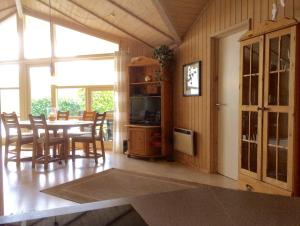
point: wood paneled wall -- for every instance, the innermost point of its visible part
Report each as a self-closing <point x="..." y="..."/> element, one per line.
<point x="194" y="112"/>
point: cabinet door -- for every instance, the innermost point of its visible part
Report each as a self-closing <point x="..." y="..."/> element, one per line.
<point x="251" y="101"/>
<point x="279" y="108"/>
<point x="137" y="141"/>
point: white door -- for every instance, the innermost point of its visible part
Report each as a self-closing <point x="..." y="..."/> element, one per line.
<point x="228" y="105"/>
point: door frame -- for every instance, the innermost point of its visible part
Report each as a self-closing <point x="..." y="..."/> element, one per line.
<point x="214" y="88"/>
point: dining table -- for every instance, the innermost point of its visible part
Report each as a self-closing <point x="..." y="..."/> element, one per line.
<point x="56" y="125"/>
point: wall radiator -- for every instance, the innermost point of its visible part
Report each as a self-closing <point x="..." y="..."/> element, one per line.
<point x="184" y="141"/>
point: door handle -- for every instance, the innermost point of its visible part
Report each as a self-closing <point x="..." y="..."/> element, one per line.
<point x="220" y="105"/>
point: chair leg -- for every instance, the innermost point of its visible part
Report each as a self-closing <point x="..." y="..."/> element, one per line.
<point x="18" y="153"/>
<point x="95" y="152"/>
<point x="46" y="156"/>
<point x="34" y="153"/>
<point x="86" y="147"/>
<point x="6" y="152"/>
<point x="102" y="149"/>
<point x="73" y="151"/>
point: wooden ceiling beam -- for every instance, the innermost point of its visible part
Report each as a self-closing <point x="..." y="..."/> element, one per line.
<point x="140" y="19"/>
<point x="7" y="8"/>
<point x="79" y="27"/>
<point x="110" y="23"/>
<point x="19" y="8"/>
<point x="72" y="25"/>
<point x="166" y="19"/>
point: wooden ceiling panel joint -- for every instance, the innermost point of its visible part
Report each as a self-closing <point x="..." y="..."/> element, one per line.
<point x="109" y="23"/>
<point x="166" y="19"/>
<point x="141" y="20"/>
<point x="19" y="8"/>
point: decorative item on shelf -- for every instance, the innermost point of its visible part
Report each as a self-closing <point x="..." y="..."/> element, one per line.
<point x="148" y="78"/>
<point x="274" y="11"/>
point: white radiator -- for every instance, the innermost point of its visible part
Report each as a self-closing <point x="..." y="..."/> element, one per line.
<point x="184" y="140"/>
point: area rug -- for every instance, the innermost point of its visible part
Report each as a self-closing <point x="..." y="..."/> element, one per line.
<point x="115" y="183"/>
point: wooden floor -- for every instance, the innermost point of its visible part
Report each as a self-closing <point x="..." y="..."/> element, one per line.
<point x="22" y="186"/>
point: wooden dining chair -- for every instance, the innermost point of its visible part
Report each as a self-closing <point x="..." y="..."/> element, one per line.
<point x="63" y="115"/>
<point x="43" y="141"/>
<point x="95" y="135"/>
<point x="14" y="137"/>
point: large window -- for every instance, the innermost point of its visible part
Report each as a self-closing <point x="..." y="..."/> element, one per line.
<point x="85" y="44"/>
<point x="37" y="38"/>
<point x="85" y="72"/>
<point x="9" y="45"/>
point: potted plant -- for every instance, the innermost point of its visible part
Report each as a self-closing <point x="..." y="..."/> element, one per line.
<point x="165" y="56"/>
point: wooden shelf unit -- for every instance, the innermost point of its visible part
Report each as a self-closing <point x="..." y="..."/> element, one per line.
<point x="269" y="109"/>
<point x="150" y="104"/>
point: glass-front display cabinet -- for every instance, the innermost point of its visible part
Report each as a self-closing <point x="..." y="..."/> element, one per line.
<point x="269" y="125"/>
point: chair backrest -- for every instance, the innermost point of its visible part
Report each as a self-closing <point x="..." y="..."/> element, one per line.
<point x="37" y="123"/>
<point x="63" y="115"/>
<point x="89" y="115"/>
<point x="98" y="124"/>
<point x="10" y="121"/>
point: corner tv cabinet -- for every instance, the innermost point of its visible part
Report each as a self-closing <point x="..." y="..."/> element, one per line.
<point x="270" y="108"/>
<point x="150" y="104"/>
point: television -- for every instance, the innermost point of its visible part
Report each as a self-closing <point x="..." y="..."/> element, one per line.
<point x="145" y="110"/>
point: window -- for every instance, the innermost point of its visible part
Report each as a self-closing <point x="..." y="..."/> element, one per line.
<point x="85" y="44"/>
<point x="37" y="42"/>
<point x="9" y="44"/>
<point x="9" y="90"/>
<point x="40" y="88"/>
<point x="72" y="100"/>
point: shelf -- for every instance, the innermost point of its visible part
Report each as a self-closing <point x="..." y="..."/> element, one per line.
<point x="145" y="83"/>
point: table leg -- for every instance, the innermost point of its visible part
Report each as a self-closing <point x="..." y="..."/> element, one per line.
<point x="66" y="146"/>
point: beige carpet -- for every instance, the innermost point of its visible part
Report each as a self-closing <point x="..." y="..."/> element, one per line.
<point x="115" y="183"/>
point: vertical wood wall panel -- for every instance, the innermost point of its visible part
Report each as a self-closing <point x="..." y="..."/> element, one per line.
<point x="194" y="112"/>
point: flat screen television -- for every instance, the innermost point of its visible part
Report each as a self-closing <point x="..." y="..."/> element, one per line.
<point x="145" y="110"/>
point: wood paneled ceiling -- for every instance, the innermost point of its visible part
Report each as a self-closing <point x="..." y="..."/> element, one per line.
<point x="153" y="22"/>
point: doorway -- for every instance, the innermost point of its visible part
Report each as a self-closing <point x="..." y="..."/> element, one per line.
<point x="227" y="104"/>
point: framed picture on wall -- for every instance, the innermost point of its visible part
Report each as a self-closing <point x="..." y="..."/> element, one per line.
<point x="192" y="79"/>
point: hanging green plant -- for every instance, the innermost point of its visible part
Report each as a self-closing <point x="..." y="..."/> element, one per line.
<point x="164" y="55"/>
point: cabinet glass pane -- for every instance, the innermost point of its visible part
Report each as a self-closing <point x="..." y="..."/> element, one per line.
<point x="253" y="157"/>
<point x="255" y="59"/>
<point x="274" y="52"/>
<point x="283" y="130"/>
<point x="271" y="162"/>
<point x="285" y="52"/>
<point x="246" y="87"/>
<point x="254" y="90"/>
<point x="272" y="128"/>
<point x="273" y="89"/>
<point x="282" y="165"/>
<point x="245" y="125"/>
<point x="245" y="155"/>
<point x="253" y="126"/>
<point x="284" y="89"/>
<point x="246" y="60"/>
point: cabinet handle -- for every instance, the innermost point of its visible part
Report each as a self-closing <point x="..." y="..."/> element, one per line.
<point x="262" y="109"/>
<point x="249" y="187"/>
